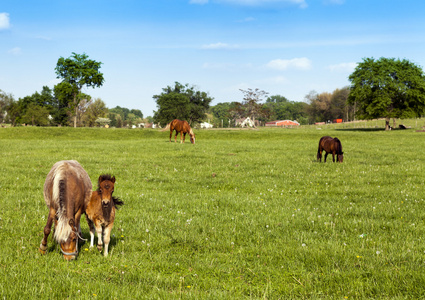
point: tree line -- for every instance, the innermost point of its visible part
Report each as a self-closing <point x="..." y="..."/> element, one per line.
<point x="383" y="88"/>
<point x="47" y="108"/>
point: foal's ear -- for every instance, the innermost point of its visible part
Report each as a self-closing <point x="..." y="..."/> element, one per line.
<point x="71" y="223"/>
<point x="99" y="180"/>
<point x="113" y="179"/>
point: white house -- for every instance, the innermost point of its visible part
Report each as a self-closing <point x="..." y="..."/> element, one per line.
<point x="206" y="125"/>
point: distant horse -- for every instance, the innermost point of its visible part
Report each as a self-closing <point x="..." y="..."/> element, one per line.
<point x="183" y="127"/>
<point x="67" y="191"/>
<point x="330" y="145"/>
<point x="100" y="212"/>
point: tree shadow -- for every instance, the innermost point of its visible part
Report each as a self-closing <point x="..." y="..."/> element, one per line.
<point x="362" y="129"/>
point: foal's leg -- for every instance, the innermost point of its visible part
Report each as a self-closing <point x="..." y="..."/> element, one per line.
<point x="47" y="229"/>
<point x="175" y="137"/>
<point x="107" y="238"/>
<point x="326" y="155"/>
<point x="99" y="236"/>
<point x="333" y="156"/>
<point x="91" y="226"/>
<point x="181" y="137"/>
<point x="184" y="137"/>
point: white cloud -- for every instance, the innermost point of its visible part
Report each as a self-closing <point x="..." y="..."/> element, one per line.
<point x="227" y="66"/>
<point x="343" y="67"/>
<point x="4" y="21"/>
<point x="301" y="3"/>
<point x="248" y="19"/>
<point x="301" y="63"/>
<point x="219" y="46"/>
<point x="15" y="51"/>
<point x="273" y="80"/>
<point x="327" y="2"/>
<point x="198" y="1"/>
<point x="262" y="2"/>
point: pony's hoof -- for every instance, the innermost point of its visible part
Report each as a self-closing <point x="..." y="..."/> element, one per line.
<point x="42" y="249"/>
<point x="99" y="247"/>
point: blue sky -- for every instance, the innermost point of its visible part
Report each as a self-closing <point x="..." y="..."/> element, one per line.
<point x="285" y="47"/>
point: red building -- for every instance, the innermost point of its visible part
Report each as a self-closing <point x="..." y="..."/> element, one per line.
<point x="283" y="123"/>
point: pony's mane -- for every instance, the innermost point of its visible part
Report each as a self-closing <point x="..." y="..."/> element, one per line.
<point x="62" y="228"/>
<point x="338" y="146"/>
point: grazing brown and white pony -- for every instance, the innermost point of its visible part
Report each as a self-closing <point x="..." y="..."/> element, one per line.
<point x="183" y="127"/>
<point x="67" y="191"/>
<point x="100" y="212"/>
<point x="330" y="145"/>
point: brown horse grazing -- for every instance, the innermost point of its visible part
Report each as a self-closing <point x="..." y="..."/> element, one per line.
<point x="330" y="145"/>
<point x="67" y="191"/>
<point x="100" y="212"/>
<point x="183" y="127"/>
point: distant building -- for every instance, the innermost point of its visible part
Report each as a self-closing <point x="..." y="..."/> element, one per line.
<point x="206" y="125"/>
<point x="282" y="123"/>
<point x="247" y="122"/>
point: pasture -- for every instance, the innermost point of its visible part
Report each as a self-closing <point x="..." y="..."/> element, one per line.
<point x="240" y="214"/>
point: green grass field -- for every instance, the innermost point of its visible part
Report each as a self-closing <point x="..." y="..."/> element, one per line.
<point x="241" y="214"/>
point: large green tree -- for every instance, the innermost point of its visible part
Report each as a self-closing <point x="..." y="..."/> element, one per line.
<point x="387" y="88"/>
<point x="79" y="71"/>
<point x="283" y="109"/>
<point x="181" y="102"/>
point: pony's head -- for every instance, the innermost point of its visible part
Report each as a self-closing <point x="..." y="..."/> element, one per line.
<point x="105" y="188"/>
<point x="192" y="136"/>
<point x="69" y="247"/>
<point x="340" y="157"/>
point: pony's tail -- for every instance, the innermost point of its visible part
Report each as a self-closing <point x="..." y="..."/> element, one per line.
<point x="62" y="228"/>
<point x="320" y="142"/>
<point x="166" y="127"/>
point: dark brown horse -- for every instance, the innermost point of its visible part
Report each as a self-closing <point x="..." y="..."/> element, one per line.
<point x="67" y="191"/>
<point x="183" y="127"/>
<point x="330" y="145"/>
<point x="100" y="212"/>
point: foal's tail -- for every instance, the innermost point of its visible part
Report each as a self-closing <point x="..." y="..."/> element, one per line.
<point x="62" y="228"/>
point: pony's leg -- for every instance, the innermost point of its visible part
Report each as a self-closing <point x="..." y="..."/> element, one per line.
<point x="181" y="137"/>
<point x="47" y="230"/>
<point x="333" y="157"/>
<point x="171" y="134"/>
<point x="107" y="238"/>
<point x="175" y="137"/>
<point x="319" y="156"/>
<point x="326" y="156"/>
<point x="184" y="137"/>
<point x="77" y="222"/>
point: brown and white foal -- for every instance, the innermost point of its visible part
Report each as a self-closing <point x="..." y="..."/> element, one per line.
<point x="100" y="212"/>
